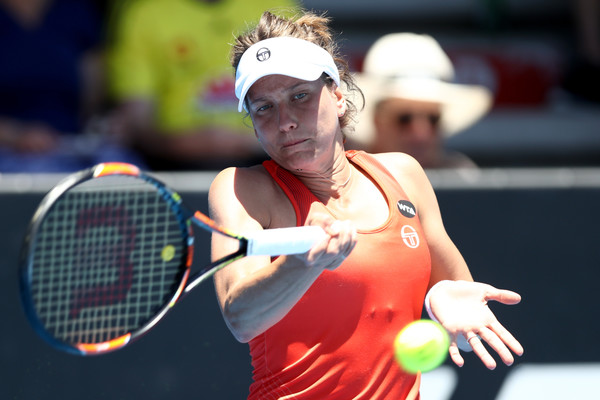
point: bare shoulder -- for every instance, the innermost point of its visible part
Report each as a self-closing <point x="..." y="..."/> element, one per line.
<point x="242" y="182"/>
<point x="236" y="177"/>
<point x="408" y="173"/>
<point x="244" y="193"/>
<point x="401" y="165"/>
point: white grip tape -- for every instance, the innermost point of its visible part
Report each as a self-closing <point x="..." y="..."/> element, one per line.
<point x="282" y="241"/>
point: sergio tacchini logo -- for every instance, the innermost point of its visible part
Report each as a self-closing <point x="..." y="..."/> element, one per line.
<point x="263" y="54"/>
<point x="410" y="237"/>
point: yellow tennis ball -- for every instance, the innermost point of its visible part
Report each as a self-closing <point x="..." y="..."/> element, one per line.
<point x="167" y="253"/>
<point x="421" y="346"/>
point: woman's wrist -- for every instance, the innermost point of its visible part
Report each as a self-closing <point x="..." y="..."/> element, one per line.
<point x="428" y="301"/>
<point x="461" y="341"/>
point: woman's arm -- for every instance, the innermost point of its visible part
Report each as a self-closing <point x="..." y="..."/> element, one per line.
<point x="446" y="261"/>
<point x="255" y="293"/>
<point x="457" y="302"/>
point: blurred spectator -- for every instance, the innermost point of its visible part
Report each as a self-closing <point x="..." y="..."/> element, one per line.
<point x="173" y="84"/>
<point x="412" y="105"/>
<point x="582" y="76"/>
<point x="51" y="86"/>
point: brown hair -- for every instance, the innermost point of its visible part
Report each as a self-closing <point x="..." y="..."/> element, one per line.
<point x="313" y="28"/>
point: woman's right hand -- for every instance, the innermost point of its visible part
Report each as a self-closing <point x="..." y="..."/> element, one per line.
<point x="332" y="251"/>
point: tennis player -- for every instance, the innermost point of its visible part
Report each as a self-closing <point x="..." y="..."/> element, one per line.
<point x="321" y="325"/>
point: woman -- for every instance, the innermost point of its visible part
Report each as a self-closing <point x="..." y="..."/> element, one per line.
<point x="321" y="324"/>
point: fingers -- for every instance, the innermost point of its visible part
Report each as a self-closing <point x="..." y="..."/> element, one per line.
<point x="479" y="349"/>
<point x="499" y="339"/>
<point x="503" y="296"/>
<point x="330" y="253"/>
<point x="507" y="338"/>
<point x="343" y="238"/>
<point x="497" y="345"/>
<point x="455" y="354"/>
<point x="343" y="233"/>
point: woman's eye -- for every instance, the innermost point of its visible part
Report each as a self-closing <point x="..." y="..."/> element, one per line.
<point x="262" y="108"/>
<point x="300" y="96"/>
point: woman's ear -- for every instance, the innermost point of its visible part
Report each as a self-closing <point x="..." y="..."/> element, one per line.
<point x="341" y="102"/>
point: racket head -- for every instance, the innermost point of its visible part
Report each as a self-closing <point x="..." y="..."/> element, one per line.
<point x="106" y="255"/>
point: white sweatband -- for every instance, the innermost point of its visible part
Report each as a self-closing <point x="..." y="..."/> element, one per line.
<point x="428" y="303"/>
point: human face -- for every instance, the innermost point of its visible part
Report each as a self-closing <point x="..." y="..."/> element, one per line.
<point x="297" y="121"/>
<point x="411" y="127"/>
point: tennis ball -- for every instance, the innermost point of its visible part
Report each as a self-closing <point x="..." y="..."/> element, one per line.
<point x="421" y="346"/>
<point x="167" y="253"/>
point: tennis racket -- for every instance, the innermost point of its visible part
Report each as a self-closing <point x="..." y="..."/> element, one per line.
<point x="109" y="252"/>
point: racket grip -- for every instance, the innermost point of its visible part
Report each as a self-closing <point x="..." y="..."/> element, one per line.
<point x="282" y="241"/>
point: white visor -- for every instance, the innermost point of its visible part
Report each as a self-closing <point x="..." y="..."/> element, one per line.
<point x="284" y="55"/>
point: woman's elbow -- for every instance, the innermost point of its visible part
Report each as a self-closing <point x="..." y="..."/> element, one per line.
<point x="242" y="329"/>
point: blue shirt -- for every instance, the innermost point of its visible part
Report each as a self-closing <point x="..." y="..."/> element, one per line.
<point x="40" y="67"/>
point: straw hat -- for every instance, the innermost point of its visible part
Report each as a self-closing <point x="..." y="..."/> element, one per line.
<point x="414" y="67"/>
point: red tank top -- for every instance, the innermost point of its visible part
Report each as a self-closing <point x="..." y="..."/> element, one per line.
<point x="337" y="341"/>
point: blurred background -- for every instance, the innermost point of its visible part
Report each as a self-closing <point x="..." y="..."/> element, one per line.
<point x="536" y="56"/>
<point x="144" y="81"/>
<point x="525" y="220"/>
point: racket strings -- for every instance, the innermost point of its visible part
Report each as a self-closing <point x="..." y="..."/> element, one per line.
<point x="107" y="257"/>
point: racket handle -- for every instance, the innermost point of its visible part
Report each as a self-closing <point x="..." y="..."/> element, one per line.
<point x="282" y="241"/>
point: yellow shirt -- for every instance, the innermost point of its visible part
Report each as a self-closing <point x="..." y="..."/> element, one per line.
<point x="176" y="52"/>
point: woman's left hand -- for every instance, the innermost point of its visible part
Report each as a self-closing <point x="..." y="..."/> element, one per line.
<point x="462" y="308"/>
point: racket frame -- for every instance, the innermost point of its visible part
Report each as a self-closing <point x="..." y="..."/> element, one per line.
<point x="185" y="216"/>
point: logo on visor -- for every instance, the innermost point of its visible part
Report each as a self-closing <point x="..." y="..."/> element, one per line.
<point x="263" y="54"/>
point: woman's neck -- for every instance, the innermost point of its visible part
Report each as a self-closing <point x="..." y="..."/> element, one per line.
<point x="331" y="182"/>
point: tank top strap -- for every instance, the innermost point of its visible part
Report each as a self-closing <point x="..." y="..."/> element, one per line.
<point x="298" y="194"/>
<point x="382" y="176"/>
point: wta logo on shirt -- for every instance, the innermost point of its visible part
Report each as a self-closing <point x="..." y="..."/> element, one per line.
<point x="409" y="235"/>
<point x="406" y="208"/>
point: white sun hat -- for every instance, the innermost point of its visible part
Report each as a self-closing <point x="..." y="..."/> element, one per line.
<point x="284" y="55"/>
<point x="414" y="67"/>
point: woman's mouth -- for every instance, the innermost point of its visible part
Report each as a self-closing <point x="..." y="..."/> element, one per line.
<point x="293" y="143"/>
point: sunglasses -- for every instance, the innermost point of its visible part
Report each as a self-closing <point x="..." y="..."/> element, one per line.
<point x="406" y="119"/>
